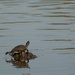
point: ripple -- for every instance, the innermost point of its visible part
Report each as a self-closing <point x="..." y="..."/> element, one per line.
<point x="66" y="53"/>
<point x="51" y="8"/>
<point x="59" y="40"/>
<point x="60" y="23"/>
<point x="68" y="2"/>
<point x="64" y="49"/>
<point x="5" y="35"/>
<point x="18" y="22"/>
<point x="11" y="3"/>
<point x="52" y="3"/>
<point x="60" y="12"/>
<point x="34" y="6"/>
<point x="20" y="13"/>
<point x="54" y="29"/>
<point x="13" y="13"/>
<point x="4" y="29"/>
<point x="66" y="16"/>
<point x="56" y="8"/>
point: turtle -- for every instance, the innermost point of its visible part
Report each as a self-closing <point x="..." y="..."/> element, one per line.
<point x="19" y="49"/>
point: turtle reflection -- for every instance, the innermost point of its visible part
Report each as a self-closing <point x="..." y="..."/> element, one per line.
<point x="22" y="62"/>
<point x="19" y="64"/>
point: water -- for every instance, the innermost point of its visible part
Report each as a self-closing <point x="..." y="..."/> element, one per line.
<point x="50" y="27"/>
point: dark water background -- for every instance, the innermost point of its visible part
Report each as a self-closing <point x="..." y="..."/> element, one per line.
<point x="50" y="27"/>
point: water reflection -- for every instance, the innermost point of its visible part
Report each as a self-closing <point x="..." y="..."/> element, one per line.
<point x="21" y="62"/>
<point x="18" y="63"/>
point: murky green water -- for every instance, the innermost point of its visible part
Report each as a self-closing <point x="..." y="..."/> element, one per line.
<point x="50" y="27"/>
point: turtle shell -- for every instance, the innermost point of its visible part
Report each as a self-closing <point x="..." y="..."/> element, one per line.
<point x="18" y="49"/>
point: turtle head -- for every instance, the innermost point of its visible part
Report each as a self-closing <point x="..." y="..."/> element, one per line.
<point x="7" y="53"/>
<point x="27" y="43"/>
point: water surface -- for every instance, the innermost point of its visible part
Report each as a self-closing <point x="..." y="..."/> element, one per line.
<point x="50" y="27"/>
